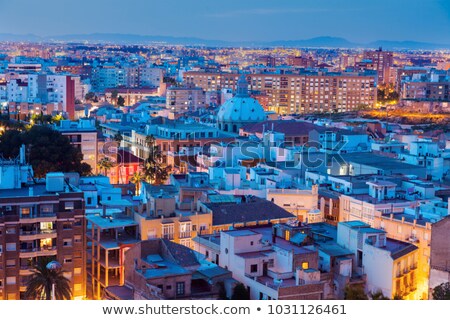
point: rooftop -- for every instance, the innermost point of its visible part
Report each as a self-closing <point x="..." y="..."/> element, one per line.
<point x="398" y="248"/>
<point x="38" y="191"/>
<point x="110" y="222"/>
<point x="256" y="209"/>
<point x="334" y="250"/>
<point x="377" y="161"/>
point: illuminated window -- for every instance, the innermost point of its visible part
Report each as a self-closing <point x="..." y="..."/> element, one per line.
<point x="25" y="211"/>
<point x="46" y="243"/>
<point x="288" y="235"/>
<point x="305" y="265"/>
<point x="46" y="226"/>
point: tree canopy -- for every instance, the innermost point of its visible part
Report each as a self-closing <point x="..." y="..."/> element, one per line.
<point x="155" y="169"/>
<point x="41" y="282"/>
<point x="355" y="293"/>
<point x="442" y="292"/>
<point x="47" y="150"/>
<point x="240" y="292"/>
<point x="120" y="101"/>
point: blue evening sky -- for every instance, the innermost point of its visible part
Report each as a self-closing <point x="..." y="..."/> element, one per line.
<point x="355" y="20"/>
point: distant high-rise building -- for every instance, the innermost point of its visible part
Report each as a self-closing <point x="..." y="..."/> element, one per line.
<point x="184" y="99"/>
<point x="382" y="62"/>
<point x="303" y="92"/>
<point x="267" y="61"/>
<point x="299" y="61"/>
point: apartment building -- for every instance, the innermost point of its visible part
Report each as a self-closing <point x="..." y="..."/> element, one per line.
<point x="58" y="90"/>
<point x="111" y="231"/>
<point x="415" y="229"/>
<point x="390" y="265"/>
<point x="181" y="99"/>
<point x="39" y="220"/>
<point x="271" y="267"/>
<point x="167" y="215"/>
<point x="160" y="269"/>
<point x="382" y="62"/>
<point x="303" y="92"/>
<point x="82" y="135"/>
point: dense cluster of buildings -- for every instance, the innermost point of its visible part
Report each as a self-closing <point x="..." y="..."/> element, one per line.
<point x="260" y="192"/>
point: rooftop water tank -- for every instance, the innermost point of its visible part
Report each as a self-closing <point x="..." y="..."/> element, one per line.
<point x="54" y="182"/>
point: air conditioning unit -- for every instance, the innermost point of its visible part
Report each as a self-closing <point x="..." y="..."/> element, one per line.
<point x="413" y="239"/>
<point x="8" y="208"/>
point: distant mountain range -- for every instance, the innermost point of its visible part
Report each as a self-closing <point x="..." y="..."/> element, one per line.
<point x="318" y="42"/>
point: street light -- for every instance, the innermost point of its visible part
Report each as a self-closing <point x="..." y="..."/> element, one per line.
<point x="53" y="266"/>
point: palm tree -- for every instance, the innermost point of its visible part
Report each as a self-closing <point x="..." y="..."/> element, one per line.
<point x="136" y="179"/>
<point x="105" y="164"/>
<point x="155" y="170"/>
<point x="40" y="285"/>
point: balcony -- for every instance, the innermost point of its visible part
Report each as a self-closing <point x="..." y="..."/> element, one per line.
<point x="36" y="234"/>
<point x="168" y="236"/>
<point x="26" y="270"/>
<point x="37" y="252"/>
<point x="414" y="266"/>
<point x="185" y="234"/>
<point x="38" y="217"/>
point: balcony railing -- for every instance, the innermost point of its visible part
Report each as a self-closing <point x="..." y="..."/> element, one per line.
<point x="39" y="249"/>
<point x="37" y="215"/>
<point x="414" y="266"/>
<point x="34" y="232"/>
<point x="168" y="236"/>
<point x="26" y="267"/>
<point x="186" y="234"/>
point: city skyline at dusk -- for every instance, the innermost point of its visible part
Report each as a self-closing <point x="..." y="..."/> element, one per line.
<point x="357" y="21"/>
<point x="225" y="150"/>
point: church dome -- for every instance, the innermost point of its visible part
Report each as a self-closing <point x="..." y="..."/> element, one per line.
<point x="240" y="109"/>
